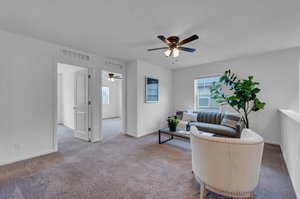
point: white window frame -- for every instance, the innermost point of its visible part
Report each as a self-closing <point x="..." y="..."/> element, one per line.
<point x="195" y="97"/>
<point x="107" y="94"/>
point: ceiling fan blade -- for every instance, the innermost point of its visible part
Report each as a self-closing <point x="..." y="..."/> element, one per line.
<point x="189" y="39"/>
<point x="158" y="48"/>
<point x="187" y="49"/>
<point x="165" y="40"/>
<point x="118" y="77"/>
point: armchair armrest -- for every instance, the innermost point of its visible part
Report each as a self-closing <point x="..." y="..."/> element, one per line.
<point x="238" y="129"/>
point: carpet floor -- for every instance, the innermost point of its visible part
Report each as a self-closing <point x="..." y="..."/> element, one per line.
<point x="125" y="167"/>
<point x="111" y="128"/>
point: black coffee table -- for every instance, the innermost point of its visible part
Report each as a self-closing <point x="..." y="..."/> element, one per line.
<point x="172" y="134"/>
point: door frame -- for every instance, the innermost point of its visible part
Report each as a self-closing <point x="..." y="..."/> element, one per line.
<point x="123" y="101"/>
<point x="56" y="61"/>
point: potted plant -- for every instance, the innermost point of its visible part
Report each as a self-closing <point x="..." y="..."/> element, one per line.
<point x="242" y="94"/>
<point x="172" y="123"/>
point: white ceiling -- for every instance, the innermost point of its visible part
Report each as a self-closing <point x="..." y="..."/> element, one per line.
<point x="125" y="29"/>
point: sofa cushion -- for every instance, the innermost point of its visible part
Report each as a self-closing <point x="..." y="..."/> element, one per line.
<point x="215" y="128"/>
<point x="182" y="124"/>
<point x="210" y="117"/>
<point x="231" y="119"/>
<point x="192" y="117"/>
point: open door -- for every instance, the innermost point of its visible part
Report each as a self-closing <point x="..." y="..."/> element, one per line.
<point x="81" y="102"/>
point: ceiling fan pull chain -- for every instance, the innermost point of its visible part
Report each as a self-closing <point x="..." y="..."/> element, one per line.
<point x="175" y="60"/>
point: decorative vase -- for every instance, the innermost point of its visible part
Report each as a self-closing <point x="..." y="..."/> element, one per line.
<point x="172" y="128"/>
<point x="188" y="127"/>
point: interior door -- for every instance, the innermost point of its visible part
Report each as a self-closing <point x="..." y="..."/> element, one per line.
<point x="81" y="105"/>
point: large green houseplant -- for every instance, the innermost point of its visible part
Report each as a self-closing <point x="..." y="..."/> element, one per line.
<point x="241" y="96"/>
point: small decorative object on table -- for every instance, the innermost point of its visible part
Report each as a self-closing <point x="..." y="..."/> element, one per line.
<point x="188" y="126"/>
<point x="172" y="123"/>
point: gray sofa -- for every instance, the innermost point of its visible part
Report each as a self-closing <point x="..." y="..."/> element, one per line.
<point x="211" y="122"/>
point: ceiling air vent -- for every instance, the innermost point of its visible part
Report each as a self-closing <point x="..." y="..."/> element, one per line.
<point x="113" y="65"/>
<point x="76" y="55"/>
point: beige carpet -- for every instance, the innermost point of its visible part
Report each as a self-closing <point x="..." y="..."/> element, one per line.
<point x="124" y="167"/>
<point x="111" y="128"/>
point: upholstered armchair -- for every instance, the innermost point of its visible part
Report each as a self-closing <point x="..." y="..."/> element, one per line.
<point x="227" y="166"/>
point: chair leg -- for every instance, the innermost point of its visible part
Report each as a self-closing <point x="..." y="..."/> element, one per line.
<point x="203" y="191"/>
<point x="252" y="195"/>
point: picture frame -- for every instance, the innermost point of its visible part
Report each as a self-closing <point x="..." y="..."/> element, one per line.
<point x="151" y="90"/>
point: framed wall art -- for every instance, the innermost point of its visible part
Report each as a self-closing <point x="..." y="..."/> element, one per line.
<point x="151" y="87"/>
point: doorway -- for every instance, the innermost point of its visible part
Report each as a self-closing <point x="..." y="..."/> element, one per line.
<point x="111" y="97"/>
<point x="73" y="114"/>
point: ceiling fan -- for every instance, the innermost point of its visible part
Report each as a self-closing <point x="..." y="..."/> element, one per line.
<point x="111" y="77"/>
<point x="174" y="45"/>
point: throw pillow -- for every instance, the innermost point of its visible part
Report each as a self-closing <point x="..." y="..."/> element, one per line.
<point x="192" y="117"/>
<point x="179" y="114"/>
<point x="231" y="119"/>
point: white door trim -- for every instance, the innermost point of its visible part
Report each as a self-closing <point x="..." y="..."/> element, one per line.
<point x="70" y="62"/>
<point x="123" y="101"/>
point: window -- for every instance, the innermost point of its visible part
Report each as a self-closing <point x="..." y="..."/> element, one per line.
<point x="203" y="100"/>
<point x="105" y="95"/>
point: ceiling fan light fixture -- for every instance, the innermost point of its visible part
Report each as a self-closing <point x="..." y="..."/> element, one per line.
<point x="168" y="52"/>
<point x="174" y="45"/>
<point x="175" y="52"/>
<point x="111" y="79"/>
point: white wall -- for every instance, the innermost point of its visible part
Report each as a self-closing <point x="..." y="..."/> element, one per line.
<point x="68" y="99"/>
<point x="132" y="114"/>
<point x="290" y="139"/>
<point x="277" y="73"/>
<point x="113" y="109"/>
<point x="26" y="116"/>
<point x="145" y="118"/>
<point x="67" y="92"/>
<point x="27" y="83"/>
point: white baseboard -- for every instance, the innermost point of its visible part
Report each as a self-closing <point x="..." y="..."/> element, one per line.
<point x="274" y="143"/>
<point x="68" y="126"/>
<point x="111" y="117"/>
<point x="131" y="134"/>
<point x="27" y="157"/>
<point x="144" y="134"/>
<point x="96" y="140"/>
<point x="140" y="135"/>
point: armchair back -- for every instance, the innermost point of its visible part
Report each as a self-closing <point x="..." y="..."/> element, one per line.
<point x="226" y="164"/>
